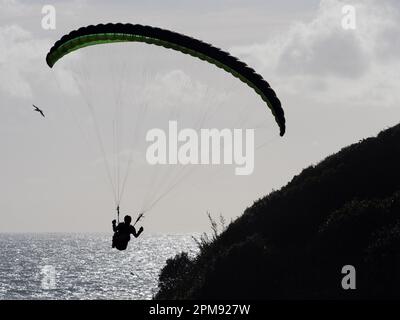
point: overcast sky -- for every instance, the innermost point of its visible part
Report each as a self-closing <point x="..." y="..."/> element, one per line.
<point x="337" y="86"/>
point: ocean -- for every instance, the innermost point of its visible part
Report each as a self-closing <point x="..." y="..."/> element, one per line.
<point x="83" y="266"/>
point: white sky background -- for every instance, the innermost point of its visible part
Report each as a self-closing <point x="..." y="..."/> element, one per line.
<point x="337" y="86"/>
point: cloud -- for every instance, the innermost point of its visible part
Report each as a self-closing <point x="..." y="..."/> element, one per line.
<point x="12" y="8"/>
<point x="335" y="65"/>
<point x="318" y="47"/>
<point x="20" y="54"/>
<point x="24" y="45"/>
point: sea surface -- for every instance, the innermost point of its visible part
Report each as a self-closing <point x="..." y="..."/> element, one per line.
<point x="83" y="266"/>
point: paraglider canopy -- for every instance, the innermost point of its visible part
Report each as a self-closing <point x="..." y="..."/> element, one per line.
<point x="108" y="33"/>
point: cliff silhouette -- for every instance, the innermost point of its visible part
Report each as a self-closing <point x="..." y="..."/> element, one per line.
<point x="293" y="243"/>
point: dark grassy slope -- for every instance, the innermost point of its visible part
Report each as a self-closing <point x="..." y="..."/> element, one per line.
<point x="294" y="242"/>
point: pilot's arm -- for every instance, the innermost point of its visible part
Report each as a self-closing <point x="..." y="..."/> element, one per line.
<point x="136" y="234"/>
<point x="114" y="226"/>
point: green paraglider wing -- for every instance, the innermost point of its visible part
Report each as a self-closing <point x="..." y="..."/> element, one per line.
<point x="108" y="33"/>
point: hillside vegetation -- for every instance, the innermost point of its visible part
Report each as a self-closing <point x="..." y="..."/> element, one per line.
<point x="293" y="243"/>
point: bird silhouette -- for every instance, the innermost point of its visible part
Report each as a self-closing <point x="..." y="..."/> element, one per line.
<point x="38" y="110"/>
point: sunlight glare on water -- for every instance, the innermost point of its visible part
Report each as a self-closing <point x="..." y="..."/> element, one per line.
<point x="83" y="266"/>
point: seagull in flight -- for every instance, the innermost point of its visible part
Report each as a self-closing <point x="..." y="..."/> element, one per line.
<point x="38" y="110"/>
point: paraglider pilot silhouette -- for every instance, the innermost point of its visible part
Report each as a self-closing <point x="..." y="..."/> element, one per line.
<point x="123" y="231"/>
